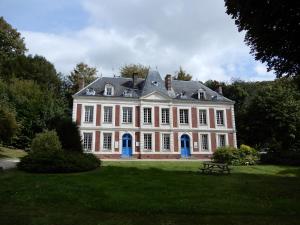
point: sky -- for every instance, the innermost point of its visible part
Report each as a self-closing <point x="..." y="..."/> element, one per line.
<point x="164" y="34"/>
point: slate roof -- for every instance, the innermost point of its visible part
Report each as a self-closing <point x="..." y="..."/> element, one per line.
<point x="153" y="83"/>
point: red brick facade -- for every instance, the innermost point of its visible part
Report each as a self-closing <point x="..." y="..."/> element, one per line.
<point x="78" y="114"/>
<point x="230" y="139"/>
<point x="117" y="116"/>
<point x="213" y="142"/>
<point x="117" y="139"/>
<point x="195" y="139"/>
<point x="174" y="116"/>
<point x="175" y="142"/>
<point x="137" y="139"/>
<point x="212" y="118"/>
<point x="137" y="116"/>
<point x="97" y="141"/>
<point x="157" y="142"/>
<point x="229" y="118"/>
<point x="194" y="117"/>
<point x="156" y="116"/>
<point x="98" y="115"/>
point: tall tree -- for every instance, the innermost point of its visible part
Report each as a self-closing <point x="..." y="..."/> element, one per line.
<point x="182" y="75"/>
<point x="82" y="72"/>
<point x="129" y="70"/>
<point x="272" y="32"/>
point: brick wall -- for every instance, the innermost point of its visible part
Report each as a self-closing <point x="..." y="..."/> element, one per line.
<point x="117" y="139"/>
<point x="78" y="114"/>
<point x="157" y="142"/>
<point x="212" y="118"/>
<point x="195" y="139"/>
<point x="213" y="142"/>
<point x="194" y="117"/>
<point x="174" y="116"/>
<point x="97" y="141"/>
<point x="137" y="116"/>
<point x="175" y="141"/>
<point x="229" y="118"/>
<point x="117" y="116"/>
<point x="98" y="115"/>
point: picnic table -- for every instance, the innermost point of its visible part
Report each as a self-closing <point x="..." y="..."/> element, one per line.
<point x="210" y="167"/>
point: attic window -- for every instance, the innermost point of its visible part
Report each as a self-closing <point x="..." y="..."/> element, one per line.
<point x="127" y="93"/>
<point x="183" y="94"/>
<point x="155" y="83"/>
<point x="90" y="91"/>
<point x="109" y="90"/>
<point x="201" y="94"/>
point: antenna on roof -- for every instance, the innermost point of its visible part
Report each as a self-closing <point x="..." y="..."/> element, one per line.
<point x="113" y="70"/>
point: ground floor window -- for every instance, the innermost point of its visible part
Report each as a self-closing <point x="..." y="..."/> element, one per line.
<point x="204" y="143"/>
<point x="147" y="142"/>
<point x="166" y="142"/>
<point x="221" y="140"/>
<point x="107" y="140"/>
<point x="87" y="141"/>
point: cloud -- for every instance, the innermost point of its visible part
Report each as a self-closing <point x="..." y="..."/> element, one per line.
<point x="197" y="35"/>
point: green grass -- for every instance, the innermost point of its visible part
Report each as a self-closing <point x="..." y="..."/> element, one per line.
<point x="11" y="153"/>
<point x="160" y="193"/>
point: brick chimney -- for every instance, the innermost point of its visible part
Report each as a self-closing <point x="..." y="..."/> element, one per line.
<point x="168" y="82"/>
<point x="134" y="80"/>
<point x="220" y="90"/>
<point x="81" y="83"/>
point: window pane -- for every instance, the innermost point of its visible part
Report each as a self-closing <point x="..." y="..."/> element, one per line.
<point x="107" y="114"/>
<point x="127" y="114"/>
<point x="89" y="113"/>
<point x="202" y="117"/>
<point x="184" y="116"/>
<point x="107" y="141"/>
<point x="220" y="117"/>
<point x="166" y="142"/>
<point x="165" y="116"/>
<point x="87" y="142"/>
<point x="147" y="142"/>
<point x="147" y="115"/>
<point x="204" y="142"/>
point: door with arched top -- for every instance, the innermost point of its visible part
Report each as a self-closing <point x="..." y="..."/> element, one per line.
<point x="126" y="145"/>
<point x="185" y="146"/>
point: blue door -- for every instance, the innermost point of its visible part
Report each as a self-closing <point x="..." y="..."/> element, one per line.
<point x="185" y="146"/>
<point x="126" y="145"/>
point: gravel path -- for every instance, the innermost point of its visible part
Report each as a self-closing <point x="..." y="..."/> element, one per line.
<point x="8" y="163"/>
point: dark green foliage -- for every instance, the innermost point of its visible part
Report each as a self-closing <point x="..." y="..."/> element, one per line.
<point x="182" y="75"/>
<point x="8" y="123"/>
<point x="46" y="143"/>
<point x="245" y="155"/>
<point x="68" y="133"/>
<point x="137" y="69"/>
<point x="272" y="32"/>
<point x="59" y="162"/>
<point x="284" y="158"/>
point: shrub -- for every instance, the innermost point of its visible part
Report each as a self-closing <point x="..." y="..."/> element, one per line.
<point x="61" y="162"/>
<point x="285" y="158"/>
<point x="245" y="155"/>
<point x="46" y="142"/>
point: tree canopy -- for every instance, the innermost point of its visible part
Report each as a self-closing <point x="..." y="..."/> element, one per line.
<point x="182" y="75"/>
<point x="138" y="69"/>
<point x="272" y="32"/>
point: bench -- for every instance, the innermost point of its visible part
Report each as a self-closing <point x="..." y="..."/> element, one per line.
<point x="210" y="168"/>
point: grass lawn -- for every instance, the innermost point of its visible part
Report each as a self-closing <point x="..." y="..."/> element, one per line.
<point x="160" y="193"/>
<point x="11" y="153"/>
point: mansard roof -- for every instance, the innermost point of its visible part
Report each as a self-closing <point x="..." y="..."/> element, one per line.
<point x="123" y="87"/>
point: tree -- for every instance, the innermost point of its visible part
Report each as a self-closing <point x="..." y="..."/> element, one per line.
<point x="82" y="72"/>
<point x="272" y="32"/>
<point x="129" y="70"/>
<point x="182" y="75"/>
<point x="11" y="42"/>
<point x="8" y="123"/>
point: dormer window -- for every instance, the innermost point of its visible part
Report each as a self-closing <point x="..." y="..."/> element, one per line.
<point x="109" y="90"/>
<point x="201" y="94"/>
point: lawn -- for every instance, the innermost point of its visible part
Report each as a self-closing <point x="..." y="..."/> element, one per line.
<point x="160" y="193"/>
<point x="11" y="153"/>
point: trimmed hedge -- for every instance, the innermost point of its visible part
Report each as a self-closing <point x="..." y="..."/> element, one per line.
<point x="245" y="155"/>
<point x="62" y="162"/>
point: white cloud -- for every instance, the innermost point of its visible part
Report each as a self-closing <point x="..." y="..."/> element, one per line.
<point x="197" y="35"/>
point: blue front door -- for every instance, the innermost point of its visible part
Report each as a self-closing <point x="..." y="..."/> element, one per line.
<point x="126" y="145"/>
<point x="185" y="146"/>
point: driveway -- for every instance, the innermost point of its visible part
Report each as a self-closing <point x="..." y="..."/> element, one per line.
<point x="8" y="163"/>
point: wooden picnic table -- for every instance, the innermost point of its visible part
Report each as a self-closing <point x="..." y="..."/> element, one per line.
<point x="211" y="167"/>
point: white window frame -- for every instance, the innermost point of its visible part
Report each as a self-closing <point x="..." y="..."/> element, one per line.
<point x="126" y="115"/>
<point x="146" y="145"/>
<point x="163" y="143"/>
<point x="225" y="139"/>
<point x="146" y="115"/>
<point x="206" y="117"/>
<point x="104" y="148"/>
<point x="224" y="117"/>
<point x="202" y="150"/>
<point x="88" y="114"/>
<point x="184" y="116"/>
<point x="201" y="92"/>
<point x="104" y="114"/>
<point x="165" y="117"/>
<point x="109" y="86"/>
<point x="87" y="147"/>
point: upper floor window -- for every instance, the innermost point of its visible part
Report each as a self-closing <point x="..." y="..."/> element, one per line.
<point x="165" y="116"/>
<point x="204" y="142"/>
<point x="166" y="142"/>
<point x="147" y="142"/>
<point x="107" y="140"/>
<point x="89" y="114"/>
<point x="201" y="94"/>
<point x="220" y="117"/>
<point x="127" y="114"/>
<point x="107" y="114"/>
<point x="221" y="140"/>
<point x="202" y="117"/>
<point x="109" y="90"/>
<point x="87" y="141"/>
<point x="147" y="115"/>
<point x="184" y="116"/>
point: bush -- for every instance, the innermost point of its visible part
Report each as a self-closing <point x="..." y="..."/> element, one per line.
<point x="61" y="162"/>
<point x="46" y="142"/>
<point x="245" y="155"/>
<point x="284" y="158"/>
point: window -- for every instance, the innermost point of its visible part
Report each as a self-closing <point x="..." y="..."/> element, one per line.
<point x="107" y="141"/>
<point x="147" y="142"/>
<point x="221" y="140"/>
<point x="127" y="114"/>
<point x="87" y="142"/>
<point x="107" y="114"/>
<point x="204" y="142"/>
<point x="165" y="116"/>
<point x="166" y="142"/>
<point x="220" y="117"/>
<point x="109" y="90"/>
<point x="201" y="94"/>
<point x="89" y="113"/>
<point x="184" y="116"/>
<point x="202" y="117"/>
<point x="147" y="115"/>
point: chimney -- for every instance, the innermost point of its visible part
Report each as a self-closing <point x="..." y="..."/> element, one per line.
<point x="220" y="90"/>
<point x="168" y="82"/>
<point x="81" y="83"/>
<point x="134" y="80"/>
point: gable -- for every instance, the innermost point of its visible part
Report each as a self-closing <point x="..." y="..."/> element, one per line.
<point x="155" y="96"/>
